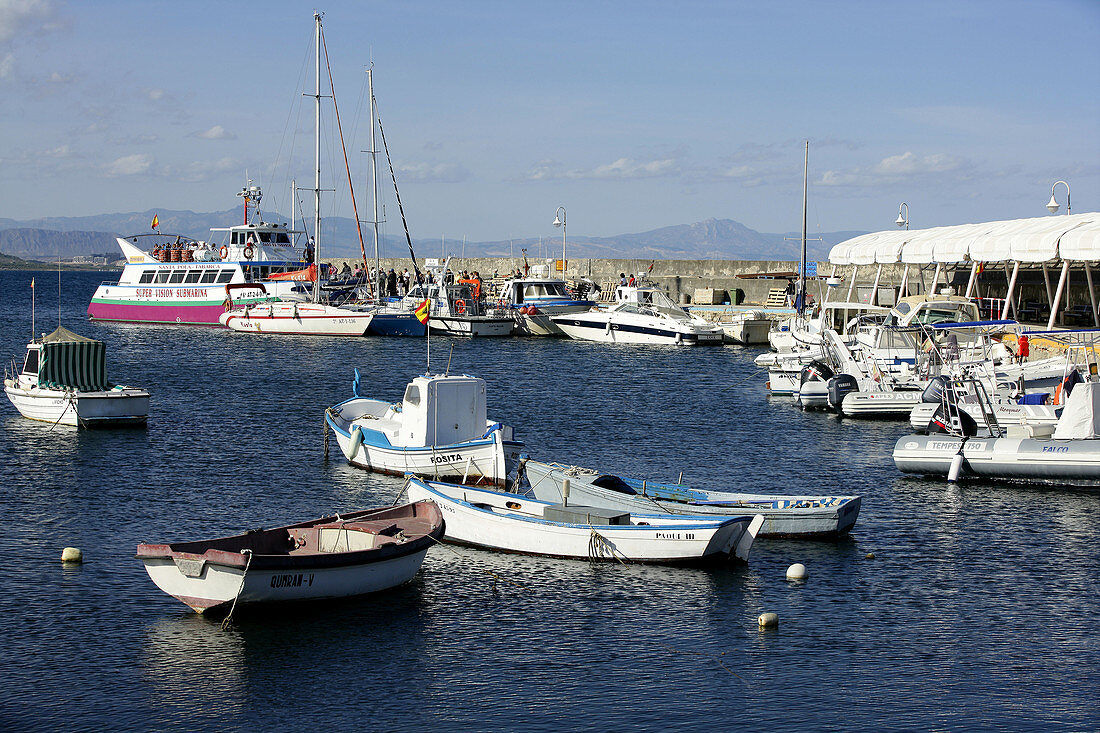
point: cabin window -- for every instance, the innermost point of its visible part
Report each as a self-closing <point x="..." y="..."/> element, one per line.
<point x="225" y="276"/>
<point x="30" y="366"/>
<point x="265" y="237"/>
<point x="902" y="308"/>
<point x="208" y="277"/>
<point x="193" y="276"/>
<point x="176" y="277"/>
<point x="146" y="277"/>
<point x="162" y="277"/>
<point x="234" y="238"/>
<point x="282" y="239"/>
<point x="412" y="394"/>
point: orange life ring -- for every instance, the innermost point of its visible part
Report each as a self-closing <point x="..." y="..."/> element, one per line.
<point x="460" y="305"/>
<point x="224" y="252"/>
<point x="249" y="251"/>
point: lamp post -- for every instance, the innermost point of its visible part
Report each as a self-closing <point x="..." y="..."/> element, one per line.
<point x="903" y="219"/>
<point x="1052" y="205"/>
<point x="559" y="221"/>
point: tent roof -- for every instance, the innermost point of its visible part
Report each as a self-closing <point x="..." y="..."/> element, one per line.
<point x="62" y="334"/>
<point x="1082" y="242"/>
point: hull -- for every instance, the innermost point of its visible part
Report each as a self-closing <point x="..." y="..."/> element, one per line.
<point x="542" y="323"/>
<point x="307" y="319"/>
<point x="475" y="326"/>
<point x="1007" y="413"/>
<point x="880" y="404"/>
<point x="200" y="305"/>
<point x="806" y="517"/>
<point x="396" y="324"/>
<point x="783" y="382"/>
<point x="813" y="395"/>
<point x="500" y="521"/>
<point x="118" y="407"/>
<point x="748" y="331"/>
<point x="1014" y="458"/>
<point x="588" y="328"/>
<point x="490" y="459"/>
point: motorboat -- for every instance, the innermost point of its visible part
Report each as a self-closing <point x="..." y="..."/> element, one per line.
<point x="439" y="429"/>
<point x="507" y="522"/>
<point x="533" y="301"/>
<point x="809" y="517"/>
<point x="456" y="310"/>
<point x="337" y="556"/>
<point x="960" y="447"/>
<point x="745" y="327"/>
<point x="293" y="317"/>
<point x="63" y="380"/>
<point x="643" y="314"/>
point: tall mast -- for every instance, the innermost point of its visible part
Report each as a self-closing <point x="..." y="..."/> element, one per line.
<point x="373" y="167"/>
<point x="317" y="164"/>
<point x="802" y="266"/>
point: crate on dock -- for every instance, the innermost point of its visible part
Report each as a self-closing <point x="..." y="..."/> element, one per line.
<point x="709" y="296"/>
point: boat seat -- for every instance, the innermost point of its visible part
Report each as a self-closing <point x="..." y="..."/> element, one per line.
<point x="1023" y="430"/>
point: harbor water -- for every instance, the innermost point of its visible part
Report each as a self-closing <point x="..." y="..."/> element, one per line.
<point x="979" y="609"/>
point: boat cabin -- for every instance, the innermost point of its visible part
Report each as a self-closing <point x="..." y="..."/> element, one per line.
<point x="925" y="310"/>
<point x="66" y="361"/>
<point x="535" y="291"/>
<point x="442" y="410"/>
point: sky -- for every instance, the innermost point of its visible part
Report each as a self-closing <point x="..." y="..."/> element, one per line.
<point x="631" y="115"/>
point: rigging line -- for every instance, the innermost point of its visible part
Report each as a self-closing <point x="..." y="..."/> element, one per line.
<point x="347" y="167"/>
<point x="294" y="105"/>
<point x="400" y="208"/>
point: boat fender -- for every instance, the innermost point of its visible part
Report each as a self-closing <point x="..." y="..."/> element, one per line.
<point x="679" y="338"/>
<point x="356" y="440"/>
<point x="224" y="252"/>
<point x="532" y="310"/>
<point x="956" y="467"/>
<point x="523" y="310"/>
<point x="839" y="388"/>
<point x="607" y="327"/>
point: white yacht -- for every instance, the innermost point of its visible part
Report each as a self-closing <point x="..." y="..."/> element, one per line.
<point x="644" y="314"/>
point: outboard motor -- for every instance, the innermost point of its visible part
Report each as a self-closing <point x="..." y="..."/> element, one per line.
<point x="934" y="391"/>
<point x="839" y="387"/>
<point x="815" y="371"/>
<point x="963" y="425"/>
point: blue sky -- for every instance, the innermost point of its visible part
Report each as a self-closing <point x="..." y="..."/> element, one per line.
<point x="632" y="115"/>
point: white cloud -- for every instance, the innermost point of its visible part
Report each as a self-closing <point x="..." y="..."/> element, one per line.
<point x="621" y="169"/>
<point x="432" y="173"/>
<point x="896" y="168"/>
<point x="61" y="151"/>
<point x="155" y="94"/>
<point x="23" y="16"/>
<point x="7" y="66"/>
<point x="130" y="165"/>
<point x="217" y="132"/>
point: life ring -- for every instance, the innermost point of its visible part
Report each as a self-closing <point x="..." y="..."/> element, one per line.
<point x="224" y="252"/>
<point x="460" y="305"/>
<point x="249" y="251"/>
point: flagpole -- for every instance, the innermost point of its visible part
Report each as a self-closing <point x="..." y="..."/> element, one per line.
<point x="428" y="335"/>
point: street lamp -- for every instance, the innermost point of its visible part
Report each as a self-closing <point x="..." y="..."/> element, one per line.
<point x="1052" y="205"/>
<point x="559" y="221"/>
<point x="903" y="220"/>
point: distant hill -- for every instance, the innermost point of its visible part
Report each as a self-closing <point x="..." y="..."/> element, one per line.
<point x="711" y="239"/>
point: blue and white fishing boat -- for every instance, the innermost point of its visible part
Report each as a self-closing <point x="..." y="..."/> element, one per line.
<point x="811" y="517"/>
<point x="439" y="429"/>
<point x="533" y="301"/>
<point x="506" y="522"/>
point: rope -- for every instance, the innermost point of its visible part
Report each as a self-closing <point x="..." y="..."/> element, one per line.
<point x="72" y="404"/>
<point x="228" y="620"/>
<point x="324" y="424"/>
<point x="599" y="546"/>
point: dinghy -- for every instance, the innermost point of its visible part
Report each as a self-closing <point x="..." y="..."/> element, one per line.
<point x="63" y="381"/>
<point x="439" y="429"/>
<point x="810" y="517"/>
<point x="331" y="557"/>
<point x="506" y="522"/>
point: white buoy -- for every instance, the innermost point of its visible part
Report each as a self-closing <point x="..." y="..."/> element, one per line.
<point x="72" y="554"/>
<point x="956" y="466"/>
<point x="768" y="620"/>
<point x="796" y="572"/>
<point x="869" y="556"/>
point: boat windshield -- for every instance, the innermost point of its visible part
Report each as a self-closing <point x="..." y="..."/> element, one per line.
<point x="550" y="289"/>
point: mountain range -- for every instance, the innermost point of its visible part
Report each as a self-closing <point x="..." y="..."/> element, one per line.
<point x="714" y="239"/>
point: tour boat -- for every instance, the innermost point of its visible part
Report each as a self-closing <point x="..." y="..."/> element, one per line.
<point x="506" y="522"/>
<point x="439" y="429"/>
<point x="175" y="279"/>
<point x="331" y="557"/>
<point x="63" y="381"/>
<point x="808" y="517"/>
<point x="643" y="315"/>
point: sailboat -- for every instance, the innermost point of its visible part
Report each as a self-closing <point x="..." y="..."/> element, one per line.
<point x="293" y="316"/>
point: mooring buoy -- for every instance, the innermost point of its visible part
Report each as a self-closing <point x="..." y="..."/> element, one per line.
<point x="72" y="555"/>
<point x="796" y="572"/>
<point x="768" y="620"/>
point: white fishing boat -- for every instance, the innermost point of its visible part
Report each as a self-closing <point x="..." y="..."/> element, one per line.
<point x="331" y="557"/>
<point x="810" y="517"/>
<point x="534" y="301"/>
<point x="439" y="429"/>
<point x="958" y="446"/>
<point x="63" y="381"/>
<point x="643" y="315"/>
<point x="456" y="310"/>
<point x="508" y="522"/>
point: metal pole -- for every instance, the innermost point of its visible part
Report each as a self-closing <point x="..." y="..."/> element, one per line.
<point x="374" y="169"/>
<point x="1011" y="286"/>
<point x="317" y="163"/>
<point x="802" y="274"/>
<point x="1058" y="296"/>
<point x="1092" y="296"/>
<point x="973" y="279"/>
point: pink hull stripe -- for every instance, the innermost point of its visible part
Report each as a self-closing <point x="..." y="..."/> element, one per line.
<point x="192" y="315"/>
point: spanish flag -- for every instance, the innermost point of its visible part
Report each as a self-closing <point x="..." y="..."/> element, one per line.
<point x="981" y="267"/>
<point x="156" y="222"/>
<point x="421" y="311"/>
<point x="32" y="283"/>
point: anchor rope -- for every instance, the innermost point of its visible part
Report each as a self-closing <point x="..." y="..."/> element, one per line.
<point x="228" y="620"/>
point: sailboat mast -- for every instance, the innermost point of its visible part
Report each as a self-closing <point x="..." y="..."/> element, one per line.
<point x="802" y="263"/>
<point x="317" y="163"/>
<point x="373" y="168"/>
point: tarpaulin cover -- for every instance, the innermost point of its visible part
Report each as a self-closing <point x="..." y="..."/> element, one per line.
<point x="70" y="361"/>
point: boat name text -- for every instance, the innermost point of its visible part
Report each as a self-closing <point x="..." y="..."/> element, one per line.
<point x="172" y="293"/>
<point x="292" y="580"/>
<point x="449" y="458"/>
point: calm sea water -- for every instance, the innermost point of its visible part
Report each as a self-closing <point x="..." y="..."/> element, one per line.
<point x="979" y="611"/>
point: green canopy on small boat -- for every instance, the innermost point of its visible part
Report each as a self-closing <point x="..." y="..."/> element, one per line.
<point x="71" y="361"/>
